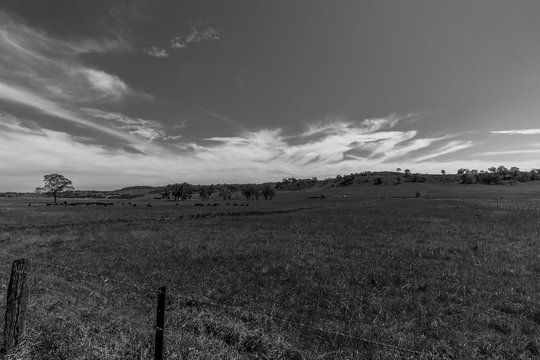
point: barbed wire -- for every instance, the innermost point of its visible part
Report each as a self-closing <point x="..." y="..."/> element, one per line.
<point x="192" y="300"/>
<point x="336" y="333"/>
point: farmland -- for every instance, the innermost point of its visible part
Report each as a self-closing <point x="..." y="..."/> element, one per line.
<point x="382" y="272"/>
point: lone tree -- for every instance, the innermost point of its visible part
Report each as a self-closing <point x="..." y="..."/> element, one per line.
<point x="55" y="184"/>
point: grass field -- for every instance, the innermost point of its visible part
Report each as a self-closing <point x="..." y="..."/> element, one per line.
<point x="453" y="273"/>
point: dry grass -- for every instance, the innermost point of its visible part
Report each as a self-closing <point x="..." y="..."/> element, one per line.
<point x="439" y="275"/>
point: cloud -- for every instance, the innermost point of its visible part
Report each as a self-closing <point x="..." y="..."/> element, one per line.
<point x="52" y="67"/>
<point x="156" y="52"/>
<point x="451" y="147"/>
<point x="326" y="148"/>
<point x="337" y="146"/>
<point x="110" y="86"/>
<point x="518" y="132"/>
<point x="196" y="34"/>
<point x="224" y="118"/>
<point x="149" y="130"/>
<point x="29" y="99"/>
<point x="334" y="144"/>
<point x="510" y="152"/>
<point x="46" y="75"/>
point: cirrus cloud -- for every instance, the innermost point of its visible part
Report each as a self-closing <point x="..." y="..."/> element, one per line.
<point x="336" y="146"/>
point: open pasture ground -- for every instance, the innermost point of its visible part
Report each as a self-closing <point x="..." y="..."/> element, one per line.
<point x="453" y="273"/>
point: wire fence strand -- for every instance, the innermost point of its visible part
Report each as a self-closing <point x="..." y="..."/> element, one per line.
<point x="191" y="300"/>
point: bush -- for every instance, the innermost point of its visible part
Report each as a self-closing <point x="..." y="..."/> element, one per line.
<point x="418" y="178"/>
<point x="488" y="178"/>
<point x="466" y="179"/>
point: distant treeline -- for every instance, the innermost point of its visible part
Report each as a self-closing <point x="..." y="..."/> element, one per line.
<point x="497" y="176"/>
<point x="492" y="176"/>
<point x="185" y="191"/>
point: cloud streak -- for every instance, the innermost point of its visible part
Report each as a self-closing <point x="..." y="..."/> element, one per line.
<point x="41" y="73"/>
<point x="149" y="130"/>
<point x="517" y="132"/>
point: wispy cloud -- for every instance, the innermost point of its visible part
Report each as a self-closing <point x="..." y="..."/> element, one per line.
<point x="510" y="152"/>
<point x="21" y="96"/>
<point x="224" y="118"/>
<point x="53" y="68"/>
<point x="329" y="147"/>
<point x="107" y="85"/>
<point x="334" y="144"/>
<point x="146" y="129"/>
<point x="156" y="52"/>
<point x="197" y="33"/>
<point x="45" y="74"/>
<point x="518" y="132"/>
<point x="450" y="147"/>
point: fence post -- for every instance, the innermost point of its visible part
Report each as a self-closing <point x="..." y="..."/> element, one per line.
<point x="160" y="322"/>
<point x="16" y="303"/>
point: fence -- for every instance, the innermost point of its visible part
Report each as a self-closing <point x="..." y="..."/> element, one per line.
<point x="17" y="299"/>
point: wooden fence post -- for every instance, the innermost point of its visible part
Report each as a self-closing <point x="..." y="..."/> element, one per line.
<point x="160" y="322"/>
<point x="16" y="303"/>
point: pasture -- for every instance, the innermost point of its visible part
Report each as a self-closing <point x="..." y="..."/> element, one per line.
<point x="453" y="273"/>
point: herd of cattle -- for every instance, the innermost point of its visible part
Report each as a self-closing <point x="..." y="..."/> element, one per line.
<point x="105" y="204"/>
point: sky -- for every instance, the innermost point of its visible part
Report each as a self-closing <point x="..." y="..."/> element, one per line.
<point x="149" y="92"/>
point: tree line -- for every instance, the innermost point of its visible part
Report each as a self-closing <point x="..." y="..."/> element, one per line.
<point x="56" y="184"/>
<point x="497" y="175"/>
<point x="185" y="191"/>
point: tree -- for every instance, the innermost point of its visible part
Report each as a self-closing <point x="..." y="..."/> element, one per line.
<point x="250" y="192"/>
<point x="224" y="192"/>
<point x="443" y="172"/>
<point x="407" y="173"/>
<point x="55" y="184"/>
<point x="268" y="192"/>
<point x="179" y="191"/>
<point x="515" y="171"/>
<point x="206" y="191"/>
